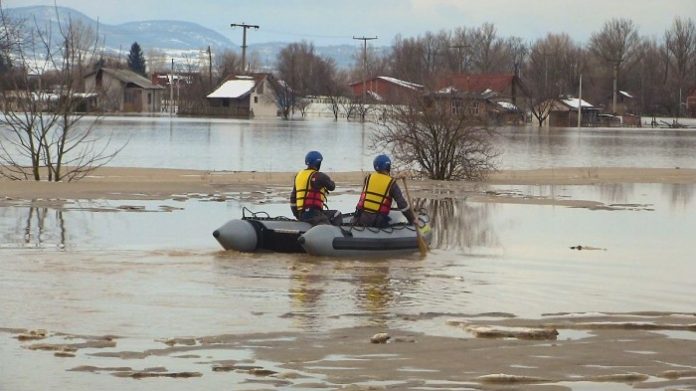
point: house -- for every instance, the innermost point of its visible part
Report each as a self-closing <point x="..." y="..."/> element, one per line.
<point x="691" y="103"/>
<point x="495" y="87"/>
<point x="123" y="90"/>
<point x="624" y="103"/>
<point x="243" y="96"/>
<point x="385" y="89"/>
<point x="485" y="106"/>
<point x="563" y="112"/>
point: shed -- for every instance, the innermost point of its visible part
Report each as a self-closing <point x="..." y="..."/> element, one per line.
<point x="123" y="90"/>
<point x="244" y="96"/>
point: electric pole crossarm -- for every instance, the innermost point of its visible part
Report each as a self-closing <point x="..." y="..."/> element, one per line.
<point x="244" y="27"/>
<point x="364" y="39"/>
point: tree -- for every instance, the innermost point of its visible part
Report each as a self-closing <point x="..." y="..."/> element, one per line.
<point x="680" y="42"/>
<point x="136" y="60"/>
<point x="615" y="45"/>
<point x="552" y="70"/>
<point x="437" y="141"/>
<point x="45" y="136"/>
<point x="304" y="73"/>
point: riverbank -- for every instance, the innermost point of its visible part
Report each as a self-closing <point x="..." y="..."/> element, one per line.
<point x="157" y="183"/>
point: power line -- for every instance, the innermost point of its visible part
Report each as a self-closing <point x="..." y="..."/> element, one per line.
<point x="265" y="30"/>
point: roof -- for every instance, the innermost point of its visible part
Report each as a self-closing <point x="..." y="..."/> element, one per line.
<point x="128" y="76"/>
<point x="573" y="103"/>
<point x="393" y="80"/>
<point x="626" y="94"/>
<point x="401" y="83"/>
<point x="233" y="89"/>
<point x="478" y="83"/>
<point x="507" y="105"/>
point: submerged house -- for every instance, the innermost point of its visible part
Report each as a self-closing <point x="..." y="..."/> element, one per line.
<point x="563" y="112"/>
<point x="496" y="98"/>
<point x="123" y="90"/>
<point x="691" y="103"/>
<point x="243" y="96"/>
<point x="385" y="89"/>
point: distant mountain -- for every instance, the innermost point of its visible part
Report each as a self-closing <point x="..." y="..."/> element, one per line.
<point x="160" y="34"/>
<point x="169" y="36"/>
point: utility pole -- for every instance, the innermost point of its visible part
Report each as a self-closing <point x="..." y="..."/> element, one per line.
<point x="364" y="39"/>
<point x="580" y="103"/>
<point x="244" y="26"/>
<point x="210" y="67"/>
<point x="171" y="91"/>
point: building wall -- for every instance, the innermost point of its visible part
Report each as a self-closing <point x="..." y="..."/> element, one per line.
<point x="110" y="91"/>
<point x="114" y="96"/>
<point x="262" y="102"/>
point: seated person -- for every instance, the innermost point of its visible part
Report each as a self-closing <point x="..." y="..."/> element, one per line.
<point x="378" y="192"/>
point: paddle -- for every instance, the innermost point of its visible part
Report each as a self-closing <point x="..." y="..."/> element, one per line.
<point x="422" y="244"/>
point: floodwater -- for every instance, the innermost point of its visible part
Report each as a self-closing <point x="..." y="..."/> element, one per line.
<point x="151" y="270"/>
<point x="275" y="145"/>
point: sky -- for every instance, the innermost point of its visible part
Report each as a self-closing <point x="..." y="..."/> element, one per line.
<point x="337" y="22"/>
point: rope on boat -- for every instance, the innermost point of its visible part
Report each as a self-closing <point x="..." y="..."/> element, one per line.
<point x="422" y="219"/>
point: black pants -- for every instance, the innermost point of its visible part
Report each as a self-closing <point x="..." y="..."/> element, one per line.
<point x="318" y="216"/>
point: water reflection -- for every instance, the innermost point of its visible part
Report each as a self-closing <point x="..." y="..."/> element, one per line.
<point x="34" y="227"/>
<point x="619" y="193"/>
<point x="458" y="224"/>
<point x="374" y="293"/>
<point x="680" y="195"/>
<point x="305" y="293"/>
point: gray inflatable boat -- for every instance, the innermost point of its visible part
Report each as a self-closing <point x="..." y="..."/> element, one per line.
<point x="356" y="241"/>
<point x="258" y="231"/>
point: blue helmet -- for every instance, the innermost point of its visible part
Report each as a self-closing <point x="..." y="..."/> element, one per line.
<point x="382" y="163"/>
<point x="313" y="159"/>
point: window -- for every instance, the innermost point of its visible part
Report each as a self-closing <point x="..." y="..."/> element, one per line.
<point x="256" y="99"/>
<point x="149" y="98"/>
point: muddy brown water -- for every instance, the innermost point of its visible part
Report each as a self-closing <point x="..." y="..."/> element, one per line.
<point x="148" y="272"/>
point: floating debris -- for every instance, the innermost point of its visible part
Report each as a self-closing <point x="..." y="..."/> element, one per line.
<point x="621" y="377"/>
<point x="178" y="341"/>
<point x="524" y="333"/>
<point x="501" y="378"/>
<point x="32" y="335"/>
<point x="380" y="338"/>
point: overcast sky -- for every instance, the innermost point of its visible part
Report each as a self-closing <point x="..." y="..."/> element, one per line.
<point x="335" y="22"/>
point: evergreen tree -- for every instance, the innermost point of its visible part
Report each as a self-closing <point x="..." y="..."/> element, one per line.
<point x="136" y="59"/>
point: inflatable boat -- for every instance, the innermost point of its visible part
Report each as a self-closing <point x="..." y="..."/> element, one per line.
<point x="357" y="241"/>
<point x="258" y="231"/>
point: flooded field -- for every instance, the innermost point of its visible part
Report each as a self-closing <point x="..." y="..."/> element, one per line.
<point x="274" y="145"/>
<point x="553" y="287"/>
<point x="149" y="272"/>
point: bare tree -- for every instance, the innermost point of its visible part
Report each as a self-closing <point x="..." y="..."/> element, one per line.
<point x="45" y="136"/>
<point x="615" y="45"/>
<point x="437" y="141"/>
<point x="680" y="42"/>
<point x="226" y="63"/>
<point x="488" y="49"/>
<point x="552" y="70"/>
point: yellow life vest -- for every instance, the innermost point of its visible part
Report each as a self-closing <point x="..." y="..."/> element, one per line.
<point x="375" y="195"/>
<point x="305" y="196"/>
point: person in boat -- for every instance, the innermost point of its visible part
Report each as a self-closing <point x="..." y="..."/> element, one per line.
<point x="379" y="189"/>
<point x="308" y="197"/>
